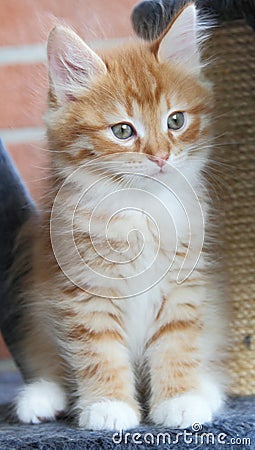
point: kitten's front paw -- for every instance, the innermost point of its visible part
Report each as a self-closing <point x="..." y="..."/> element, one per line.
<point x="108" y="415"/>
<point x="40" y="401"/>
<point x="187" y="409"/>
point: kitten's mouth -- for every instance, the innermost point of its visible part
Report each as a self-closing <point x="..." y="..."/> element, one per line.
<point x="160" y="171"/>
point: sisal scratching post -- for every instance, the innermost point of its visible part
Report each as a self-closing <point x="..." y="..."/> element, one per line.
<point x="233" y="74"/>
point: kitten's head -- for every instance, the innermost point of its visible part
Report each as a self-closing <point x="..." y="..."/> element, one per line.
<point x="139" y="108"/>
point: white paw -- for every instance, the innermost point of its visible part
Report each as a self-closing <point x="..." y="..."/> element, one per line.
<point x="40" y="401"/>
<point x="188" y="409"/>
<point x="108" y="415"/>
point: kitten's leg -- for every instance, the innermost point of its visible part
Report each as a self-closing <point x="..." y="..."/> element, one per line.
<point x="179" y="353"/>
<point x="43" y="396"/>
<point x="100" y="362"/>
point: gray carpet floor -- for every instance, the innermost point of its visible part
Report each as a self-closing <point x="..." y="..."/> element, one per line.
<point x="233" y="429"/>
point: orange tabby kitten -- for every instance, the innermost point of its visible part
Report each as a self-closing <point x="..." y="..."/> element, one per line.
<point x="121" y="320"/>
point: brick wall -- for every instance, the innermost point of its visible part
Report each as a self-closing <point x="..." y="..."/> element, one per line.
<point x="23" y="76"/>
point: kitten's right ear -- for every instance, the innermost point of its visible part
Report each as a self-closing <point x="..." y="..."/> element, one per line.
<point x="180" y="43"/>
<point x="72" y="64"/>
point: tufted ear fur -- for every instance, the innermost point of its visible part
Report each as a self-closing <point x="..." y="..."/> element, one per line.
<point x="72" y="64"/>
<point x="180" y="42"/>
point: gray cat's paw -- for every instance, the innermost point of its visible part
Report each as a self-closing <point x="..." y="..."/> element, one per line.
<point x="40" y="401"/>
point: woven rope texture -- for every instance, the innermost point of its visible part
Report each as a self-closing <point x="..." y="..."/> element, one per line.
<point x="233" y="74"/>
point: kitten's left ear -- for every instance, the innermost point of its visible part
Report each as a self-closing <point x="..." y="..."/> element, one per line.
<point x="72" y="64"/>
<point x="180" y="42"/>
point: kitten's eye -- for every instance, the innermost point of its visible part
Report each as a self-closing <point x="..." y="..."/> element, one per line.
<point x="122" y="131"/>
<point x="175" y="121"/>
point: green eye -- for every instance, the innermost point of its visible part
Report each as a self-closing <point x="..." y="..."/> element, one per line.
<point x="122" y="131"/>
<point x="175" y="121"/>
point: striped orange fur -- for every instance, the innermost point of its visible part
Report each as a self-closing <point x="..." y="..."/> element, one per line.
<point x="104" y="325"/>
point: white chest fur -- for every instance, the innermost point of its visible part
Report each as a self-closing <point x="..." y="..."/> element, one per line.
<point x="139" y="313"/>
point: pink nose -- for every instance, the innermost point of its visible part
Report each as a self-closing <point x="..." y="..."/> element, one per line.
<point x="159" y="160"/>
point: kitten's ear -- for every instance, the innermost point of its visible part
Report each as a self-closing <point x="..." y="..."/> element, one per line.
<point x="72" y="64"/>
<point x="180" y="42"/>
